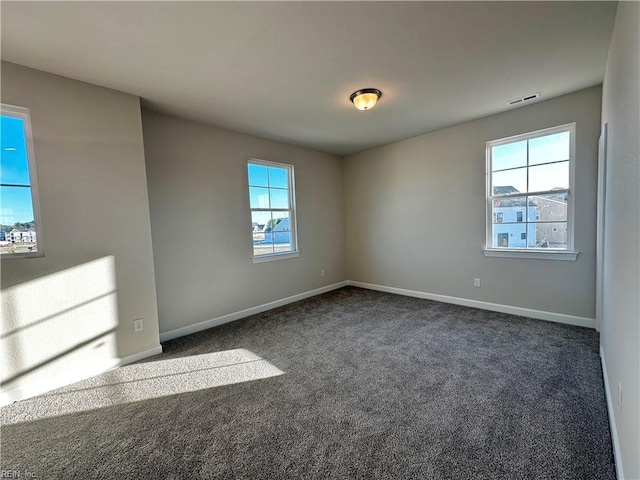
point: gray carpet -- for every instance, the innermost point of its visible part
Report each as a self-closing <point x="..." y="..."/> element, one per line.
<point x="352" y="384"/>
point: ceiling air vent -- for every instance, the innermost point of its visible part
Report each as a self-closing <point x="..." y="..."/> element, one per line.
<point x="528" y="98"/>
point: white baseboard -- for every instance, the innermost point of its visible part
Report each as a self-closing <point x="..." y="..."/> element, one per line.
<point x="230" y="317"/>
<point x="495" y="307"/>
<point x="612" y="419"/>
<point x="73" y="376"/>
<point x="157" y="350"/>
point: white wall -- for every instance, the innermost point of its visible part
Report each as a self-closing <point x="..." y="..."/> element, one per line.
<point x="415" y="213"/>
<point x="201" y="222"/>
<point x="70" y="312"/>
<point x="620" y="337"/>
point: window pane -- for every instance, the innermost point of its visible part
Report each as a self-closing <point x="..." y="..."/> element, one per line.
<point x="271" y="232"/>
<point x="505" y="210"/>
<point x="15" y="205"/>
<point x="548" y="235"/>
<point x="17" y="229"/>
<point x="260" y="223"/>
<point x="548" y="177"/>
<point x="279" y="232"/>
<point x="260" y="218"/>
<point x="551" y="148"/>
<point x="509" y="181"/>
<point x="259" y="197"/>
<point x="511" y="155"/>
<point x="549" y="208"/>
<point x="278" y="177"/>
<point x="14" y="168"/>
<point x="279" y="198"/>
<point x="262" y="249"/>
<point x="258" y="175"/>
<point x="509" y="235"/>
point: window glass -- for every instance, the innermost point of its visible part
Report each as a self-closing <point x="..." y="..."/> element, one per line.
<point x="529" y="180"/>
<point x="278" y="178"/>
<point x="510" y="181"/>
<point x="14" y="169"/>
<point x="510" y="155"/>
<point x="271" y="195"/>
<point x="554" y="176"/>
<point x="20" y="233"/>
<point x="279" y="198"/>
<point x="258" y="175"/>
<point x="549" y="148"/>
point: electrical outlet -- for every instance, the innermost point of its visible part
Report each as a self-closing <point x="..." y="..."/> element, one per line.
<point x="476" y="282"/>
<point x="138" y="325"/>
<point x="322" y="273"/>
<point x="619" y="396"/>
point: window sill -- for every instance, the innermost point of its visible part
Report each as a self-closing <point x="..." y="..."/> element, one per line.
<point x="274" y="256"/>
<point x="566" y="255"/>
<point x="15" y="256"/>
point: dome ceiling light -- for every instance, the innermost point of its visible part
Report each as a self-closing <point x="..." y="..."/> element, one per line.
<point x="366" y="98"/>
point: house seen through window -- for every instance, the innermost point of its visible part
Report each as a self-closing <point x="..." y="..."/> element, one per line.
<point x="529" y="190"/>
<point x="272" y="203"/>
<point x="20" y="232"/>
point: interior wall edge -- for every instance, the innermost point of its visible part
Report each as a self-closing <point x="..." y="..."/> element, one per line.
<point x="617" y="455"/>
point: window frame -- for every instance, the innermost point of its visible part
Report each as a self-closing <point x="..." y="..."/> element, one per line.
<point x="533" y="253"/>
<point x="25" y="114"/>
<point x="294" y="252"/>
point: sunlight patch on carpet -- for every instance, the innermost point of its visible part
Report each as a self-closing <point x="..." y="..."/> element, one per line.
<point x="143" y="381"/>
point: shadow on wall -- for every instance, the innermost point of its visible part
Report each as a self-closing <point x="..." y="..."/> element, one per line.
<point x="58" y="329"/>
<point x="143" y="381"/>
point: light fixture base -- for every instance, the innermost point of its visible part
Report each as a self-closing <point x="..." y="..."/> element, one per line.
<point x="366" y="98"/>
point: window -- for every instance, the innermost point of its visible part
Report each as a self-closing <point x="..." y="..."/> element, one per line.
<point x="20" y="227"/>
<point x="529" y="193"/>
<point x="272" y="203"/>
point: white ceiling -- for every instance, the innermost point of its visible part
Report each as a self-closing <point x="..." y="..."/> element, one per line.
<point x="285" y="70"/>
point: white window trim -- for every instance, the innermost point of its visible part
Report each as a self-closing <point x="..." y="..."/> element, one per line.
<point x="270" y="257"/>
<point x="24" y="114"/>
<point x="294" y="252"/>
<point x="539" y="254"/>
<point x="569" y="255"/>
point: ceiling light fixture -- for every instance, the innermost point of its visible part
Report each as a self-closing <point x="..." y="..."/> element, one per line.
<point x="366" y="98"/>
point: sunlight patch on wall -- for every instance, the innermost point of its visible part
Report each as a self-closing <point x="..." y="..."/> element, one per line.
<point x="58" y="323"/>
<point x="143" y="381"/>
